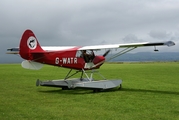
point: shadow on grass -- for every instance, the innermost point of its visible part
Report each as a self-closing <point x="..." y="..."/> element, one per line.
<point x="151" y="91"/>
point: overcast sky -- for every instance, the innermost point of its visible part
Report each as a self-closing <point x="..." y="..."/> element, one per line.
<point x="89" y="22"/>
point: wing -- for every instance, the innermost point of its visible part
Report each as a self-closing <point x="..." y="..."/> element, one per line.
<point x="99" y="47"/>
<point x="127" y="47"/>
<point x="113" y="46"/>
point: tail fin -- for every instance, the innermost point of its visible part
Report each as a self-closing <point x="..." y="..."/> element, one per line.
<point x="29" y="45"/>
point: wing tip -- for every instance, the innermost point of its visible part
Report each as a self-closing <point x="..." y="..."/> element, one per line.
<point x="169" y="43"/>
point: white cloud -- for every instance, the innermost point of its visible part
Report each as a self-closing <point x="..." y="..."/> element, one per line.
<point x="159" y="34"/>
<point x="131" y="38"/>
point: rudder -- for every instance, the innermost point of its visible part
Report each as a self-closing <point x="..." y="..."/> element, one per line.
<point x="29" y="45"/>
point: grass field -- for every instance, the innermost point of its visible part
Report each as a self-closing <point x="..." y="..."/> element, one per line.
<point x="150" y="92"/>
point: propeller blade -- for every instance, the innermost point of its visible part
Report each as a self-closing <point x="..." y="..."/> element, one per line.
<point x="106" y="53"/>
<point x="98" y="64"/>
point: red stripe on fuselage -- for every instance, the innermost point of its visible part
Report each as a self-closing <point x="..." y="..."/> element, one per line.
<point x="63" y="58"/>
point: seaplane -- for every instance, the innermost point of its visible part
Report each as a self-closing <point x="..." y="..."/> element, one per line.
<point x="80" y="60"/>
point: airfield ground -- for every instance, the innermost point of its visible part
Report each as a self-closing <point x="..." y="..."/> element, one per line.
<point x="150" y="92"/>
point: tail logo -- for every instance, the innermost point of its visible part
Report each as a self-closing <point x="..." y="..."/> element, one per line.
<point x="32" y="43"/>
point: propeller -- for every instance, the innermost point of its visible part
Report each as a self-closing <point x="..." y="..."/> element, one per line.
<point x="106" y="53"/>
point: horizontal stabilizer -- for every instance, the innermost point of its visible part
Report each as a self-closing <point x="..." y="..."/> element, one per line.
<point x="31" y="65"/>
<point x="13" y="51"/>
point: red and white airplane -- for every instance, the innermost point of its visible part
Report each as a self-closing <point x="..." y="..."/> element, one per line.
<point x="77" y="58"/>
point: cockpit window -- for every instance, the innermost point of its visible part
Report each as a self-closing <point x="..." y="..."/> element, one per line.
<point x="78" y="53"/>
<point x="87" y="55"/>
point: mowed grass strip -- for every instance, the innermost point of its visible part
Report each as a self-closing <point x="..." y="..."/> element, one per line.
<point x="150" y="91"/>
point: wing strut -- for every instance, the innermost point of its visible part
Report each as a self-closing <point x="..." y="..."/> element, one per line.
<point x="121" y="52"/>
<point x="88" y="77"/>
